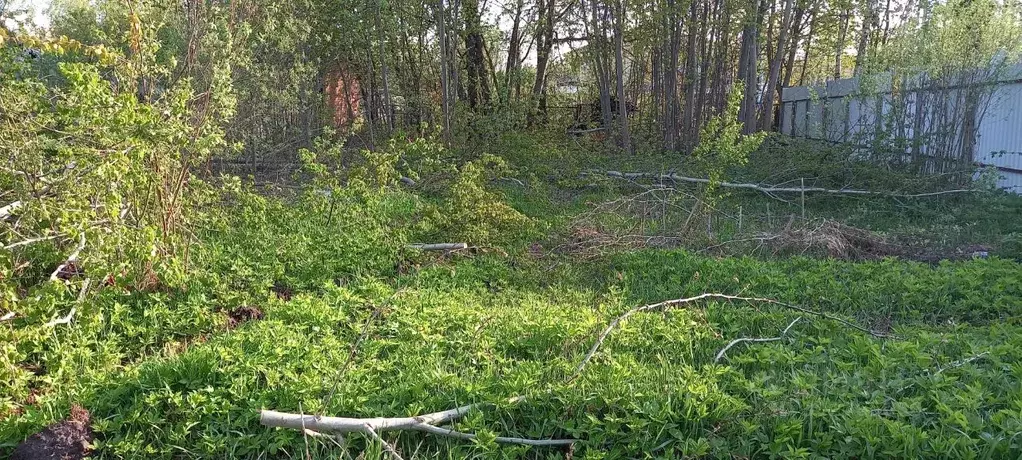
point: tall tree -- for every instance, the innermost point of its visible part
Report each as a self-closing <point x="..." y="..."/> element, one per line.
<point x="445" y="84"/>
<point x="388" y="105"/>
<point x="844" y="17"/>
<point x="619" y="65"/>
<point x="691" y="66"/>
<point x="767" y="117"/>
<point x="476" y="78"/>
<point x="544" y="46"/>
<point x="747" y="67"/>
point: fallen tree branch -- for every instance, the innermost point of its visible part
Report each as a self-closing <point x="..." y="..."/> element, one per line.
<point x="29" y="241"/>
<point x="64" y="320"/>
<point x="961" y="362"/>
<point x="407" y="181"/>
<point x="71" y="314"/>
<point x="10" y="315"/>
<point x="513" y="179"/>
<point x="675" y="302"/>
<point x="9" y="209"/>
<point x="501" y="439"/>
<point x="425" y="423"/>
<point x="70" y="259"/>
<point x="768" y="190"/>
<point x="720" y="354"/>
<point x="438" y="246"/>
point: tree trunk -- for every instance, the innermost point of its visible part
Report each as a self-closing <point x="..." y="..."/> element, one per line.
<point x="704" y="71"/>
<point x="839" y="49"/>
<point x="670" y="118"/>
<point x="388" y="109"/>
<point x="867" y="28"/>
<point x="798" y="25"/>
<point x="445" y="88"/>
<point x="476" y="83"/>
<point x="747" y="66"/>
<point x="691" y="57"/>
<point x="602" y="67"/>
<point x="619" y="64"/>
<point x="809" y="45"/>
<point x="544" y="45"/>
<point x="771" y="89"/>
<point x="511" y="70"/>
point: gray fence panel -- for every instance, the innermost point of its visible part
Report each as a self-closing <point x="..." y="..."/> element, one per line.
<point x="840" y="112"/>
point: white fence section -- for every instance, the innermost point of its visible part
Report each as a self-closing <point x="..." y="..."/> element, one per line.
<point x="858" y="112"/>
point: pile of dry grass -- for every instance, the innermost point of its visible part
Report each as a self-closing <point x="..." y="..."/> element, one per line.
<point x="833" y="239"/>
<point x="589" y="242"/>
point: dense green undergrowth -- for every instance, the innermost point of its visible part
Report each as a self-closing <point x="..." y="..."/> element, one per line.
<point x="273" y="294"/>
<point x="164" y="377"/>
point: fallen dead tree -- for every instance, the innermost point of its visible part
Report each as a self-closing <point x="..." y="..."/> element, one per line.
<point x="768" y="190"/>
<point x="427" y="423"/>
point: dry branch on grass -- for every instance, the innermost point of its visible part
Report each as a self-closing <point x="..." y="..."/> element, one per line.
<point x="438" y="246"/>
<point x="961" y="362"/>
<point x="720" y="354"/>
<point x="770" y="190"/>
<point x="29" y="241"/>
<point x="426" y="423"/>
<point x="9" y="209"/>
<point x="676" y="302"/>
<point x="67" y="319"/>
<point x="71" y="259"/>
<point x="318" y="425"/>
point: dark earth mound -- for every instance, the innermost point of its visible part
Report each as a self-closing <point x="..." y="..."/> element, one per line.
<point x="70" y="439"/>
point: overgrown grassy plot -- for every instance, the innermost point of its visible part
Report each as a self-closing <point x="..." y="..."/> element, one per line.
<point x="485" y="329"/>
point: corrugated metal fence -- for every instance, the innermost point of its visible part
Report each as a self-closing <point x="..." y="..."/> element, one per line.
<point x="979" y="119"/>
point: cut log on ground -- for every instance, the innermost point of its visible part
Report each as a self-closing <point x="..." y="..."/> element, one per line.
<point x="426" y="423"/>
<point x="438" y="246"/>
<point x="770" y="189"/>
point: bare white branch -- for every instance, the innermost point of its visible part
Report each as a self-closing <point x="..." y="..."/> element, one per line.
<point x="961" y="362"/>
<point x="768" y="190"/>
<point x="438" y="246"/>
<point x="29" y="241"/>
<point x="720" y="354"/>
<point x="425" y="423"/>
<point x="9" y="209"/>
<point x="676" y="302"/>
<point x="67" y="319"/>
<point x="64" y="320"/>
<point x="72" y="258"/>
